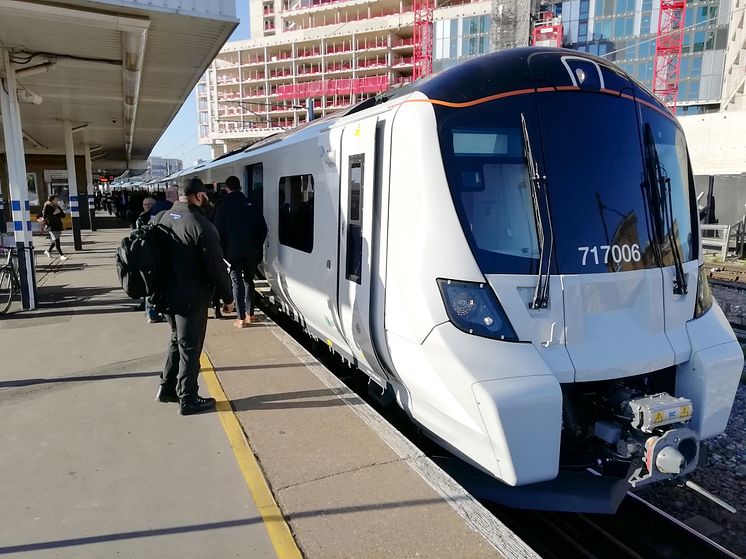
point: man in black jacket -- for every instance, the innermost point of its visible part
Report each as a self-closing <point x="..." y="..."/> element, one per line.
<point x="242" y="232"/>
<point x="192" y="270"/>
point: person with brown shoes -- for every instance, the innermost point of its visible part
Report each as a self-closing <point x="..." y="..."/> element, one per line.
<point x="192" y="272"/>
<point x="242" y="232"/>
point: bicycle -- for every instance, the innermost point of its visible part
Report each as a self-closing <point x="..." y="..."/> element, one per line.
<point x="9" y="281"/>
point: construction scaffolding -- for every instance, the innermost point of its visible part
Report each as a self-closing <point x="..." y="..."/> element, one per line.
<point x="668" y="51"/>
<point x="423" y="38"/>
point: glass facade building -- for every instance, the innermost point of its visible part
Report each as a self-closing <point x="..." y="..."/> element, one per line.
<point x="457" y="39"/>
<point x="624" y="31"/>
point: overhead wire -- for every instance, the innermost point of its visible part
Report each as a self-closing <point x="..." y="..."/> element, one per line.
<point x="280" y="105"/>
<point x="181" y="155"/>
<point x="172" y="150"/>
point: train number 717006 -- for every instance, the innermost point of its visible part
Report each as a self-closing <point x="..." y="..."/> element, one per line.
<point x="617" y="254"/>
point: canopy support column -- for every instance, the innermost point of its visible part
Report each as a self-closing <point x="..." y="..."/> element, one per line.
<point x="16" y="162"/>
<point x="72" y="183"/>
<point x="89" y="186"/>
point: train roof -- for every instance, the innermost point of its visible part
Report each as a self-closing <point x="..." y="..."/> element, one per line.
<point x="524" y="69"/>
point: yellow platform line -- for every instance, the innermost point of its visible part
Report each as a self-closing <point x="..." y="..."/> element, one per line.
<point x="277" y="529"/>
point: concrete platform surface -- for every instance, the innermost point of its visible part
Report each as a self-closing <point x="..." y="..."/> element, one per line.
<point x="93" y="467"/>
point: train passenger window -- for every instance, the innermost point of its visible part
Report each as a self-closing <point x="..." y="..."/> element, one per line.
<point x="295" y="219"/>
<point x="355" y="219"/>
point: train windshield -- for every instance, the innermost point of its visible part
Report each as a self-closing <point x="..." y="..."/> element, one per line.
<point x="600" y="207"/>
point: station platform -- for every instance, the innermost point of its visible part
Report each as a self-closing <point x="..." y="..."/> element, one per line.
<point x="292" y="464"/>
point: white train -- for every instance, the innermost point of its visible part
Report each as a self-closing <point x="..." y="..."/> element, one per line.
<point x="511" y="248"/>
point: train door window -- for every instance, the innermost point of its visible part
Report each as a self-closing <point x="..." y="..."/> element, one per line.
<point x="295" y="219"/>
<point x="254" y="176"/>
<point x="355" y="218"/>
<point x="254" y="184"/>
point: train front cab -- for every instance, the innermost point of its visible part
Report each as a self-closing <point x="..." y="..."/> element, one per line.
<point x="616" y="320"/>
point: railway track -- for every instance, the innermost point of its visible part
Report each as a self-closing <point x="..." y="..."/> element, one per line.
<point x="723" y="291"/>
<point x="739" y="285"/>
<point x="638" y="530"/>
<point x="726" y="273"/>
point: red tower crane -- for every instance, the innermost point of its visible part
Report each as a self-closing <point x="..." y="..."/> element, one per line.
<point x="668" y="44"/>
<point x="423" y="38"/>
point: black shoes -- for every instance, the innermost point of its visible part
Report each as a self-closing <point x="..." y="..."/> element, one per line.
<point x="196" y="404"/>
<point x="189" y="405"/>
<point x="166" y="394"/>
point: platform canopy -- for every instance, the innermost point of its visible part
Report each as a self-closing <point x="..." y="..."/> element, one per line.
<point x="118" y="70"/>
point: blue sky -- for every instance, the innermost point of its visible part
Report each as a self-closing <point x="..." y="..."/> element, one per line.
<point x="179" y="141"/>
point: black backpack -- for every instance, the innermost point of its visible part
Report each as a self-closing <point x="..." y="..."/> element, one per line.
<point x="137" y="263"/>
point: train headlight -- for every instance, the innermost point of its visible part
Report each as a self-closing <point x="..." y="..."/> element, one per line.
<point x="704" y="294"/>
<point x="474" y="309"/>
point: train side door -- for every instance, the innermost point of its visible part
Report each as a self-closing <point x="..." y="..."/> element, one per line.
<point x="357" y="175"/>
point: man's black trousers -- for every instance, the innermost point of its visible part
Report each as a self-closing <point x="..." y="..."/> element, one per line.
<point x="184" y="348"/>
<point x="243" y="271"/>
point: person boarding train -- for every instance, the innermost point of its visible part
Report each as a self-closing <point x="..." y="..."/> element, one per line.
<point x="242" y="232"/>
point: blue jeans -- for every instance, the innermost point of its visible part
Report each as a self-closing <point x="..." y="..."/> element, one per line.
<point x="150" y="312"/>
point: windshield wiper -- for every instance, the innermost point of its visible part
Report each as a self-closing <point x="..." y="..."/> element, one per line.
<point x="662" y="208"/>
<point x="538" y="187"/>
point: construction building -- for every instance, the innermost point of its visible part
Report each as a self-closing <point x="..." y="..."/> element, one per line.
<point x="334" y="52"/>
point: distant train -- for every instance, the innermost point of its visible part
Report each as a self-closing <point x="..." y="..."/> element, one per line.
<point x="510" y="248"/>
